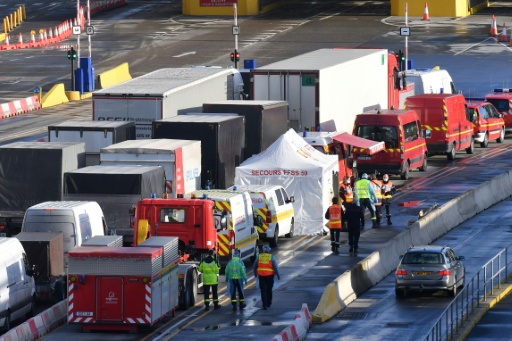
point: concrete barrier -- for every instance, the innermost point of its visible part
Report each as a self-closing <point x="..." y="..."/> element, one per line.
<point x="56" y="96"/>
<point x="379" y="264"/>
<point x="117" y="75"/>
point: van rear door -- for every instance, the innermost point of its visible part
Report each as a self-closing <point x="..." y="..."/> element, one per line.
<point x="260" y="207"/>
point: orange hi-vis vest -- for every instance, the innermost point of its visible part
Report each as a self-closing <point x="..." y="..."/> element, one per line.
<point x="265" y="266"/>
<point x="335" y="217"/>
<point x="348" y="192"/>
<point x="377" y="188"/>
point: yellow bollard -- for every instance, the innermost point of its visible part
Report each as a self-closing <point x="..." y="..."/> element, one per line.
<point x="13" y="25"/>
<point x="24" y="10"/>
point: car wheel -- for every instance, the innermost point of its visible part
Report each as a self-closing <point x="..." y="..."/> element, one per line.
<point x="400" y="293"/>
<point x="273" y="241"/>
<point x="485" y="142"/>
<point x="292" y="229"/>
<point x="423" y="167"/>
<point x="502" y="136"/>
<point x="451" y="155"/>
<point x="471" y="148"/>
<point x="7" y="322"/>
<point x="453" y="291"/>
<point x="254" y="257"/>
<point x="405" y="173"/>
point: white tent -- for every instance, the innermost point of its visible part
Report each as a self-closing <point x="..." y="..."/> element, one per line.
<point x="304" y="172"/>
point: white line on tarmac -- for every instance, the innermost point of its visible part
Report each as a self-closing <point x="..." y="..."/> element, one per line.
<point x="184" y="54"/>
<point x="470" y="47"/>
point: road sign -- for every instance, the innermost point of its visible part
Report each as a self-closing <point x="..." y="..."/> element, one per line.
<point x="89" y="30"/>
<point x="405" y="31"/>
<point x="37" y="90"/>
<point x="236" y="30"/>
<point x="76" y="30"/>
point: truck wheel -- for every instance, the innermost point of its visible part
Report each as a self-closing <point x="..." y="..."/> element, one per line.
<point x="485" y="142"/>
<point x="451" y="155"/>
<point x="423" y="167"/>
<point x="292" y="229"/>
<point x="405" y="173"/>
<point x="254" y="257"/>
<point x="502" y="136"/>
<point x="273" y="241"/>
<point x="471" y="148"/>
<point x="192" y="289"/>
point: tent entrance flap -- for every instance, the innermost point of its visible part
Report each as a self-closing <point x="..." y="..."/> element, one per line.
<point x="373" y="147"/>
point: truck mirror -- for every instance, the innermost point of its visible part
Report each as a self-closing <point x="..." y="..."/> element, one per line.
<point x="428" y="133"/>
<point x="223" y="222"/>
<point x="292" y="199"/>
<point x="354" y="164"/>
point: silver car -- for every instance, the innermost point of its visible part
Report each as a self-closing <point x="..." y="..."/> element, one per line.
<point x="430" y="268"/>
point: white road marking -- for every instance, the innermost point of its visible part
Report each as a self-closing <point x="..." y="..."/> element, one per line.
<point x="184" y="54"/>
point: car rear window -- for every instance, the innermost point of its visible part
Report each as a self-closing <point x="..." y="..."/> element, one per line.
<point x="423" y="258"/>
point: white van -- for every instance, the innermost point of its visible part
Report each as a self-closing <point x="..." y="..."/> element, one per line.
<point x="240" y="231"/>
<point x="273" y="204"/>
<point x="430" y="81"/>
<point x="77" y="220"/>
<point x="17" y="286"/>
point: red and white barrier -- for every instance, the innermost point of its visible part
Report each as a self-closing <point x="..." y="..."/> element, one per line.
<point x="19" y="107"/>
<point x="298" y="330"/>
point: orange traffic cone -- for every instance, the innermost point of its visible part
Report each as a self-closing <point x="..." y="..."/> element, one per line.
<point x="494" y="28"/>
<point x="425" y="12"/>
<point x="504" y="33"/>
<point x="20" y="42"/>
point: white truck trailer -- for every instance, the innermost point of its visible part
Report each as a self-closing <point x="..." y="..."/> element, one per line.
<point x="165" y="93"/>
<point x="181" y="160"/>
<point x="328" y="84"/>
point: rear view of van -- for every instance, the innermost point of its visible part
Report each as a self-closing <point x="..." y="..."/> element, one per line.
<point x="430" y="81"/>
<point x="275" y="207"/>
<point x="405" y="147"/>
<point x="17" y="286"/>
<point x="447" y="122"/>
<point x="77" y="220"/>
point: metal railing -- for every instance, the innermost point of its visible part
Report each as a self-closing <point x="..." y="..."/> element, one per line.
<point x="476" y="291"/>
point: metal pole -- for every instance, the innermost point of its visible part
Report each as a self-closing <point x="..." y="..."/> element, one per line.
<point x="78" y="21"/>
<point x="236" y="35"/>
<point x="406" y="41"/>
<point x="72" y="70"/>
<point x="89" y="24"/>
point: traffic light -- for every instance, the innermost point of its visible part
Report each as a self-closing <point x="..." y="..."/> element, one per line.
<point x="400" y="58"/>
<point x="72" y="54"/>
<point x="234" y="56"/>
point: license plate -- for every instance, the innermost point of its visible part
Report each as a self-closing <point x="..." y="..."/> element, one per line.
<point x="364" y="157"/>
<point x="83" y="313"/>
<point x="422" y="273"/>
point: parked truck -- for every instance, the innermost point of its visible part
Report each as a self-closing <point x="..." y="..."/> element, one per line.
<point x="181" y="160"/>
<point x="123" y="288"/>
<point x="95" y="135"/>
<point x="116" y="189"/>
<point x="165" y="93"/>
<point x="222" y="143"/>
<point x="265" y="121"/>
<point x="33" y="172"/>
<point x="327" y="84"/>
<point x="502" y="100"/>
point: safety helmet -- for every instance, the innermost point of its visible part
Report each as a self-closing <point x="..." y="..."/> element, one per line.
<point x="364" y="176"/>
<point x="385" y="178"/>
<point x="266" y="248"/>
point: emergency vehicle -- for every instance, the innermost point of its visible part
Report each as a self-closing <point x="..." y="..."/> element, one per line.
<point x="488" y="123"/>
<point x="123" y="288"/>
<point x="502" y="101"/>
<point x="404" y="144"/>
<point x="446" y="121"/>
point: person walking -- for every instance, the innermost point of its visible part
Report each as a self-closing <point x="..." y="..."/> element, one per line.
<point x="210" y="270"/>
<point x="365" y="197"/>
<point x="264" y="270"/>
<point x="236" y="278"/>
<point x="377" y="188"/>
<point x="354" y="216"/>
<point x="334" y="214"/>
<point x="388" y="189"/>
<point x="346" y="189"/>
